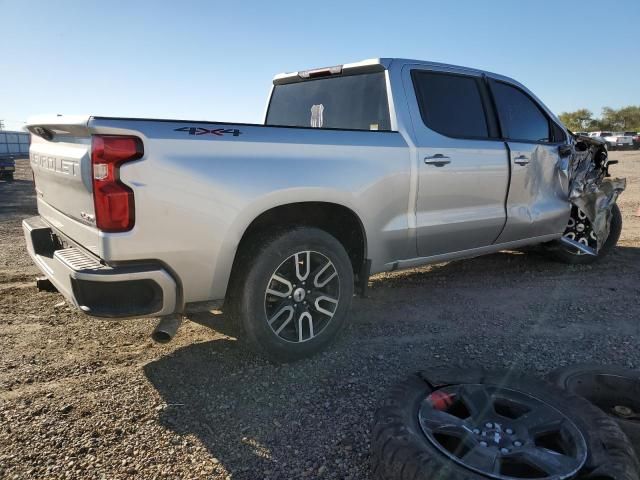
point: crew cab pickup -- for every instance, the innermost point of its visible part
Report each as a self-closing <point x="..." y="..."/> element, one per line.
<point x="635" y="137"/>
<point x="615" y="140"/>
<point x="361" y="168"/>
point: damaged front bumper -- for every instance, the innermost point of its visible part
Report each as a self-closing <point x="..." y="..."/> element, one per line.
<point x="591" y="188"/>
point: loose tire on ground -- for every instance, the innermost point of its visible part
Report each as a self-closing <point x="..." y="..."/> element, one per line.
<point x="566" y="255"/>
<point x="607" y="387"/>
<point x="402" y="451"/>
<point x="258" y="288"/>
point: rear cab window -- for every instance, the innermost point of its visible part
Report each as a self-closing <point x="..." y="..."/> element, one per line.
<point x="352" y="102"/>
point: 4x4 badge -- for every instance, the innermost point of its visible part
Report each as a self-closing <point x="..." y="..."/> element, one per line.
<point x="204" y="131"/>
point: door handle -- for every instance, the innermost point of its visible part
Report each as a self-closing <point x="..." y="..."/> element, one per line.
<point x="521" y="160"/>
<point x="437" y="160"/>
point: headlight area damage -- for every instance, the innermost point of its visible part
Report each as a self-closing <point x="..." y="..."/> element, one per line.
<point x="591" y="192"/>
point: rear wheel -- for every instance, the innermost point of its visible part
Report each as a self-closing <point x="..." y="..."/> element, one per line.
<point x="293" y="292"/>
<point x="579" y="229"/>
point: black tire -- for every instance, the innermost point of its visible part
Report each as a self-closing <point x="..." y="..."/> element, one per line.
<point x="563" y="254"/>
<point x="257" y="263"/>
<point x="401" y="451"/>
<point x="605" y="387"/>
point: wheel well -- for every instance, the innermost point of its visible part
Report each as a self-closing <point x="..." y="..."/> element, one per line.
<point x="337" y="220"/>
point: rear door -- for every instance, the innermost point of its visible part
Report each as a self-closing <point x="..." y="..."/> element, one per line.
<point x="537" y="201"/>
<point x="463" y="169"/>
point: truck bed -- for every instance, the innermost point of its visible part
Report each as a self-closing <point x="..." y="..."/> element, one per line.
<point x="199" y="179"/>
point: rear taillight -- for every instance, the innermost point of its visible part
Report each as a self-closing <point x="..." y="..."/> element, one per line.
<point x="113" y="200"/>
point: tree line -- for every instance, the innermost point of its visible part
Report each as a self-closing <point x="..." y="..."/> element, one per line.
<point x="626" y="119"/>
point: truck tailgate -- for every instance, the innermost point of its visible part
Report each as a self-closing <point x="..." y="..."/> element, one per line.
<point x="61" y="164"/>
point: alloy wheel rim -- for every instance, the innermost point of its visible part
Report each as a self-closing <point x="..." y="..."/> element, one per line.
<point x="502" y="433"/>
<point x="302" y="296"/>
<point x="579" y="228"/>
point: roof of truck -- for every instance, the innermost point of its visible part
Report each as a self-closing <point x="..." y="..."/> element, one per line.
<point x="372" y="64"/>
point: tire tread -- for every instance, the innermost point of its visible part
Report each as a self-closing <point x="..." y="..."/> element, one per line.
<point x="245" y="289"/>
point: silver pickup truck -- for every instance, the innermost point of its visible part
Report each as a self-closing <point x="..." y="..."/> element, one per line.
<point x="360" y="168"/>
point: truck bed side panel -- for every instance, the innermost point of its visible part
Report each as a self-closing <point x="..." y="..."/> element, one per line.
<point x="200" y="185"/>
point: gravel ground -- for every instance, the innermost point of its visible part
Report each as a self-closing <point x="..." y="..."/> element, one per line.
<point x="84" y="398"/>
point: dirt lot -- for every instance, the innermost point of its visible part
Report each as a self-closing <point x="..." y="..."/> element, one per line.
<point x="86" y="398"/>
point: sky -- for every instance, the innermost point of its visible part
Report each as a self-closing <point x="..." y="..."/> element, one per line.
<point x="214" y="60"/>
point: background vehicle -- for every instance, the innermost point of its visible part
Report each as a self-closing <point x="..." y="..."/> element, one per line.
<point x="12" y="145"/>
<point x="7" y="168"/>
<point x="360" y="168"/>
<point x="614" y="140"/>
<point x="635" y="136"/>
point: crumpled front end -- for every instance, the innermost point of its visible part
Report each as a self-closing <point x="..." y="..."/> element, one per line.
<point x="591" y="189"/>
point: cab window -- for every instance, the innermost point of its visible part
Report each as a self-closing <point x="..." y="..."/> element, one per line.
<point x="451" y="104"/>
<point x="521" y="119"/>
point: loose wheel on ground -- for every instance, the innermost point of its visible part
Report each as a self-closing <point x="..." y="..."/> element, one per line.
<point x="475" y="425"/>
<point x="615" y="390"/>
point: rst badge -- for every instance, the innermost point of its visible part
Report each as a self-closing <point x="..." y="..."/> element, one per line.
<point x="219" y="132"/>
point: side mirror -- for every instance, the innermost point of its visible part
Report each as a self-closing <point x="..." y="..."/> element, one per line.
<point x="581" y="146"/>
<point x="565" y="150"/>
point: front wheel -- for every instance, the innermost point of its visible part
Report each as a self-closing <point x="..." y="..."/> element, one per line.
<point x="293" y="293"/>
<point x="579" y="229"/>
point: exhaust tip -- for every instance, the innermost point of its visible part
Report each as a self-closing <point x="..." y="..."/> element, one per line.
<point x="161" y="337"/>
<point x="166" y="329"/>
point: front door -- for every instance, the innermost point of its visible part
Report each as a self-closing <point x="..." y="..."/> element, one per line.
<point x="537" y="202"/>
<point x="463" y="167"/>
